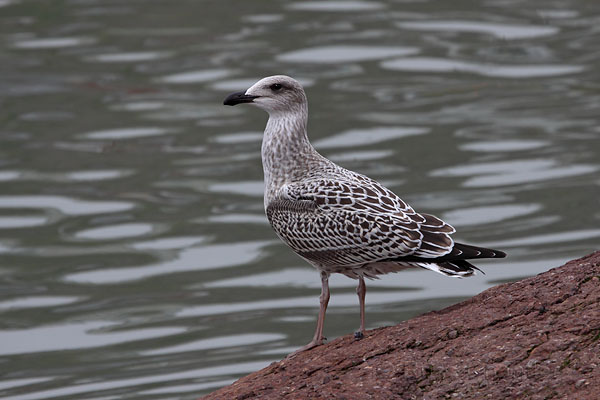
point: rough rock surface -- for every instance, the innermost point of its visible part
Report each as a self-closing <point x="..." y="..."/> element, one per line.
<point x="538" y="338"/>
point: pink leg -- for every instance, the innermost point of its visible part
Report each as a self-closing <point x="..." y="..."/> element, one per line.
<point x="361" y="290"/>
<point x="318" y="338"/>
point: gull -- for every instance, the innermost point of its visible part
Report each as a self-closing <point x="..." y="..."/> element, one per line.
<point x="338" y="220"/>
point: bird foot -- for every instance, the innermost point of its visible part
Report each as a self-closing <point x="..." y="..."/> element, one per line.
<point x="359" y="335"/>
<point x="311" y="345"/>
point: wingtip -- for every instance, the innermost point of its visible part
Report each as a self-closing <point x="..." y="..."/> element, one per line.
<point x="499" y="254"/>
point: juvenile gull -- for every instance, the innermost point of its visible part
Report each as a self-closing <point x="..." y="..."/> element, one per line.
<point x="338" y="220"/>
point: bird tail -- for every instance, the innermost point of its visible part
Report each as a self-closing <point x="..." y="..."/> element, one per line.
<point x="455" y="269"/>
<point x="455" y="263"/>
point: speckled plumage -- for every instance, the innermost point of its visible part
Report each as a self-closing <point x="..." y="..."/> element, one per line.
<point x="336" y="219"/>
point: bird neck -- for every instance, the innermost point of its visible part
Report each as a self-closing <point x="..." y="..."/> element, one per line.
<point x="285" y="149"/>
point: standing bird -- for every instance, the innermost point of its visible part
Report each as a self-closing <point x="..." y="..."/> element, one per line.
<point x="336" y="219"/>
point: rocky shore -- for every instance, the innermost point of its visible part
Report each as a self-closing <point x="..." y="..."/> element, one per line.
<point x="538" y="338"/>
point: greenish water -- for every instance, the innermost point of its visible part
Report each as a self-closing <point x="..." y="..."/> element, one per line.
<point x="135" y="258"/>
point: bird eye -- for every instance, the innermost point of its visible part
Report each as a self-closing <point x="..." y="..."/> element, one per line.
<point x="276" y="86"/>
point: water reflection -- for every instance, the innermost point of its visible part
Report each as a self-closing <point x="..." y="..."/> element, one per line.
<point x="139" y="106"/>
<point x="125" y="133"/>
<point x="9" y="175"/>
<point x="363" y="137"/>
<point x="195" y="76"/>
<point x="514" y="172"/>
<point x="14" y="383"/>
<point x="37" y="301"/>
<point x="192" y="388"/>
<point x="338" y="5"/>
<point x="236" y="369"/>
<point x="551" y="238"/>
<point x="172" y="243"/>
<point x="65" y="205"/>
<point x="128" y="57"/>
<point x="115" y="231"/>
<point x="431" y="64"/>
<point x="240" y="137"/>
<point x="52" y="43"/>
<point x="75" y="176"/>
<point x="135" y="257"/>
<point x="98" y="175"/>
<point x="255" y="188"/>
<point x="214" y="343"/>
<point x="501" y="31"/>
<point x="360" y="155"/>
<point x="340" y="54"/>
<point x="191" y="259"/>
<point x="504" y="145"/>
<point x="73" y="336"/>
<point x="489" y="214"/>
<point x="236" y="219"/>
<point x="22" y="221"/>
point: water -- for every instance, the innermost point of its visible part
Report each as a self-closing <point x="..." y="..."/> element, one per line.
<point x="135" y="258"/>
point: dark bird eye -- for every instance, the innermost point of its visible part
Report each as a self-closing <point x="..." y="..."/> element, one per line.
<point x="276" y="86"/>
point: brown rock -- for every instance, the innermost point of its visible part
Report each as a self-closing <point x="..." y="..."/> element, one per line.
<point x="536" y="338"/>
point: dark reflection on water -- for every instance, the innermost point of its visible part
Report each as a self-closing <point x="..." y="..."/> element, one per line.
<point x="135" y="258"/>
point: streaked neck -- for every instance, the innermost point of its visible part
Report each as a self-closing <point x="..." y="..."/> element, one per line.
<point x="285" y="149"/>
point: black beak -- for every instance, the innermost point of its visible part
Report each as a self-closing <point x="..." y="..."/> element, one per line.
<point x="237" y="98"/>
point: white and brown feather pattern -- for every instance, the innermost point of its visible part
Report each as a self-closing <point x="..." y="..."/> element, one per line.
<point x="340" y="238"/>
<point x="348" y="221"/>
<point x="337" y="219"/>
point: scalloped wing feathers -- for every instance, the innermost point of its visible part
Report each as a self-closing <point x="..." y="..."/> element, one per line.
<point x="353" y="221"/>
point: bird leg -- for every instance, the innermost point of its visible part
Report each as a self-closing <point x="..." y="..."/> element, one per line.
<point x="361" y="290"/>
<point x="318" y="338"/>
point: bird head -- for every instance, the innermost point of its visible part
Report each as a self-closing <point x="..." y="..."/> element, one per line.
<point x="274" y="94"/>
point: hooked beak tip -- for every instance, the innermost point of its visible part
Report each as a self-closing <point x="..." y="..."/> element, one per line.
<point x="238" y="98"/>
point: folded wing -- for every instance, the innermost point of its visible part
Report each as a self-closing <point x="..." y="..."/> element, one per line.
<point x="351" y="223"/>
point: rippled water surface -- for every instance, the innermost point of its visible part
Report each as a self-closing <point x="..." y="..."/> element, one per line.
<point x="135" y="257"/>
